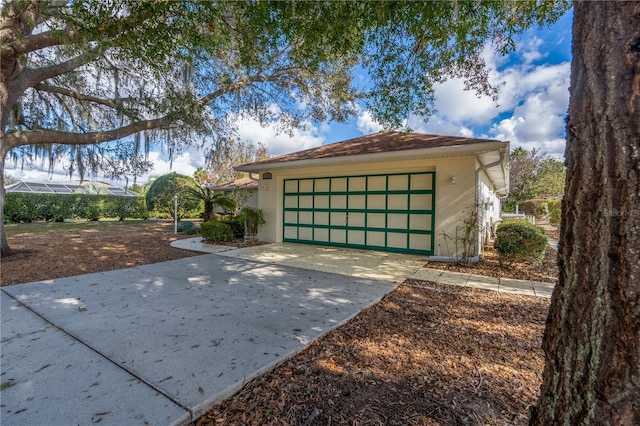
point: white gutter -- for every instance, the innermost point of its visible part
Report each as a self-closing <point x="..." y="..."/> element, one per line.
<point x="478" y="201"/>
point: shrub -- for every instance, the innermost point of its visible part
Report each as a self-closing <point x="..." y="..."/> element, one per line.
<point x="509" y="206"/>
<point x="237" y="226"/>
<point x="188" y="228"/>
<point x="216" y="231"/>
<point x="536" y="207"/>
<point x="555" y="210"/>
<point x="161" y="193"/>
<point x="125" y="207"/>
<point x="26" y="207"/>
<point x="520" y="240"/>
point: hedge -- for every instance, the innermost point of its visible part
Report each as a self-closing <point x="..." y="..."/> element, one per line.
<point x="26" y="207"/>
<point x="216" y="232"/>
<point x="520" y="240"/>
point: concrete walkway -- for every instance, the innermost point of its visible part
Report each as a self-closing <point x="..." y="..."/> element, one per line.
<point x="367" y="264"/>
<point x="503" y="285"/>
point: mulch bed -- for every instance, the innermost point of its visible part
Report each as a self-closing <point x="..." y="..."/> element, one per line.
<point x="489" y="265"/>
<point x="426" y="354"/>
<point x="62" y="250"/>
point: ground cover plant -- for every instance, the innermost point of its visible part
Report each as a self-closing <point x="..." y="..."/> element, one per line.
<point x="426" y="354"/>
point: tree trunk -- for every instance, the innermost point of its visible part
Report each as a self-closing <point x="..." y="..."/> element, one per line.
<point x="592" y="336"/>
<point x="208" y="211"/>
<point x="5" y="250"/>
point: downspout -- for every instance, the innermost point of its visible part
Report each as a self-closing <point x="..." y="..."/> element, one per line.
<point x="478" y="201"/>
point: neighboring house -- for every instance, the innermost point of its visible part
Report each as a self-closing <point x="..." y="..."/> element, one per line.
<point x="69" y="188"/>
<point x="387" y="191"/>
<point x="245" y="189"/>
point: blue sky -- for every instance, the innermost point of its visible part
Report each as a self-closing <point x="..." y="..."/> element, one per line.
<point x="531" y="109"/>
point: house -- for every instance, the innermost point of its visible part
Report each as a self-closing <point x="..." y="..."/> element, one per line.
<point x="244" y="189"/>
<point x="389" y="191"/>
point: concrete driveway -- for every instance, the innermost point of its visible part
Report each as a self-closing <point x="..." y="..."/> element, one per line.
<point x="369" y="264"/>
<point x="158" y="344"/>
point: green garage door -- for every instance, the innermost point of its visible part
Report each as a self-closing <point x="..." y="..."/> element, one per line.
<point x="392" y="212"/>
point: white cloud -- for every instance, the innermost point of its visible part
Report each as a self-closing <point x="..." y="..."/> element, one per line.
<point x="530" y="50"/>
<point x="534" y="99"/>
<point x="277" y="141"/>
<point x="367" y="124"/>
<point x="186" y="163"/>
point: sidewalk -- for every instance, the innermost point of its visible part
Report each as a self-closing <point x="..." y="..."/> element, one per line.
<point x="504" y="285"/>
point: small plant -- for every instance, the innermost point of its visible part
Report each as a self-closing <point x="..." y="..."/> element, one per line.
<point x="188" y="228"/>
<point x="253" y="219"/>
<point x="519" y="240"/>
<point x="465" y="235"/>
<point x="218" y="232"/>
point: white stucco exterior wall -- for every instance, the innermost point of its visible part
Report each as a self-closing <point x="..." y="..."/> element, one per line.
<point x="451" y="200"/>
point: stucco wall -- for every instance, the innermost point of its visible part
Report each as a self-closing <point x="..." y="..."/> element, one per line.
<point x="451" y="199"/>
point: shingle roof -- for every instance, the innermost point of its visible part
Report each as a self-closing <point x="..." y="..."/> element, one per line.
<point x="242" y="183"/>
<point x="373" y="144"/>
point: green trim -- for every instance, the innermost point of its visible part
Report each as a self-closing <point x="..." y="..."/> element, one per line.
<point x="344" y="229"/>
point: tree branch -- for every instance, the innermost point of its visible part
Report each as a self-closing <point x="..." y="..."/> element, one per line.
<point x="32" y="42"/>
<point x="75" y="95"/>
<point x="32" y="76"/>
<point x="18" y="138"/>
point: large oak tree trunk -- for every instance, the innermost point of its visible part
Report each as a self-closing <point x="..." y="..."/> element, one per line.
<point x="592" y="337"/>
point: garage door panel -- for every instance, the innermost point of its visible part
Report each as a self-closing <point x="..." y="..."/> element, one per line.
<point x="420" y="222"/>
<point x="376" y="201"/>
<point x="421" y="201"/>
<point x="377" y="220"/>
<point x="420" y="242"/>
<point x="398" y="202"/>
<point x="291" y="232"/>
<point x="397" y="220"/>
<point x="290" y="201"/>
<point x="305" y="234"/>
<point x="339" y="184"/>
<point x="357" y="219"/>
<point x="398" y="182"/>
<point x="376" y="238"/>
<point x="422" y="182"/>
<point x="306" y="185"/>
<point x="306" y="202"/>
<point x="322" y="185"/>
<point x="357" y="183"/>
<point x="305" y="218"/>
<point x="338" y="236"/>
<point x="356" y="238"/>
<point x="338" y="202"/>
<point x="377" y="183"/>
<point x="338" y="218"/>
<point x="290" y="186"/>
<point x="321" y="201"/>
<point x="385" y="212"/>
<point x="290" y="217"/>
<point x="397" y="240"/>
<point x="321" y="235"/>
<point x="321" y="218"/>
<point x="357" y="202"/>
